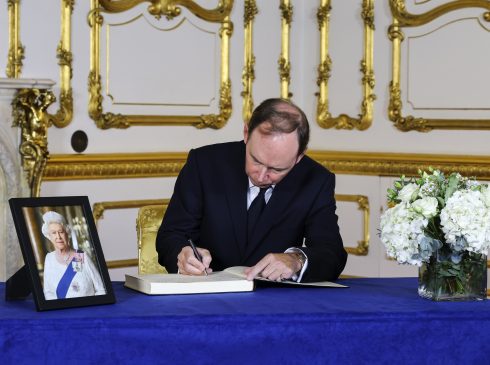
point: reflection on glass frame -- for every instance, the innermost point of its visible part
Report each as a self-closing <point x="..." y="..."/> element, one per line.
<point x="169" y="9"/>
<point x="402" y="18"/>
<point x="343" y="121"/>
<point x="62" y="252"/>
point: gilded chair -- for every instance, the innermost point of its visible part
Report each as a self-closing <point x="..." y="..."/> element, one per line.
<point x="147" y="224"/>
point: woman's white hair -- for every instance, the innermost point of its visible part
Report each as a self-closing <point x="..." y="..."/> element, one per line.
<point x="53" y="217"/>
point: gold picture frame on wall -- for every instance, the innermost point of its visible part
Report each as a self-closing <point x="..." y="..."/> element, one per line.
<point x="344" y="121"/>
<point x="16" y="49"/>
<point x="402" y="18"/>
<point x="284" y="62"/>
<point x="362" y="248"/>
<point x="169" y="9"/>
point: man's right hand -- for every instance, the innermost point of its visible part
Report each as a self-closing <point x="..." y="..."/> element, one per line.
<point x="188" y="264"/>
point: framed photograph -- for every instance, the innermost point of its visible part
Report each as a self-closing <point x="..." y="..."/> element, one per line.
<point x="63" y="257"/>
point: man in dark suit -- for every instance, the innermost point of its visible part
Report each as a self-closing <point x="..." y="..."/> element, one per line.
<point x="289" y="231"/>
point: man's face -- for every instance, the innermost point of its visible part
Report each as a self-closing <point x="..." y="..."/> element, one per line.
<point x="58" y="236"/>
<point x="269" y="157"/>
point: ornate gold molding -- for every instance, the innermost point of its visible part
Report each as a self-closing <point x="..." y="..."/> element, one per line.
<point x="343" y="121"/>
<point x="407" y="19"/>
<point x="167" y="164"/>
<point x="99" y="208"/>
<point x="16" y="49"/>
<point x="362" y="201"/>
<point x="248" y="74"/>
<point x="98" y="212"/>
<point x="29" y="114"/>
<point x="169" y="8"/>
<point x="401" y="18"/>
<point x="64" y="115"/>
<point x="284" y="62"/>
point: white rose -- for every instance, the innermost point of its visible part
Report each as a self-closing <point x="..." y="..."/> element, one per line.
<point x="486" y="195"/>
<point x="407" y="192"/>
<point x="426" y="206"/>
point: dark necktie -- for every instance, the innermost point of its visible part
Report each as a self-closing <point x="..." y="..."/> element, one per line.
<point x="255" y="210"/>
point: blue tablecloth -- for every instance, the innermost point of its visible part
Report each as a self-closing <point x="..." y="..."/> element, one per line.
<point x="374" y="321"/>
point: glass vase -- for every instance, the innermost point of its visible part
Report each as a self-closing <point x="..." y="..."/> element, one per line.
<point x="448" y="277"/>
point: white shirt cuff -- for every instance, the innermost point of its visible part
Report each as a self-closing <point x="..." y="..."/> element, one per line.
<point x="298" y="277"/>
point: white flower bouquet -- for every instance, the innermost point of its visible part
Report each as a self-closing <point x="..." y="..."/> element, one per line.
<point x="441" y="224"/>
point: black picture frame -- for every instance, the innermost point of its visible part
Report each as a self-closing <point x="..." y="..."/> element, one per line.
<point x="87" y="257"/>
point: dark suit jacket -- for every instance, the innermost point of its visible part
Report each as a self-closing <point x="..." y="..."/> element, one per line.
<point x="209" y="205"/>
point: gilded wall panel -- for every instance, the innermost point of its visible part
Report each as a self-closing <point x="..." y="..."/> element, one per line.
<point x="147" y="73"/>
<point x="402" y="19"/>
<point x="323" y="115"/>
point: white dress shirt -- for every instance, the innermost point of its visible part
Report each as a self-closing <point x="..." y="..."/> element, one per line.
<point x="252" y="193"/>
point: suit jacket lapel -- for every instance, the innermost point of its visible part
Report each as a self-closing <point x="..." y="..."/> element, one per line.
<point x="236" y="186"/>
<point x="281" y="198"/>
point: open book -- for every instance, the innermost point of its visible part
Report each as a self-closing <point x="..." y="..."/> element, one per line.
<point x="232" y="279"/>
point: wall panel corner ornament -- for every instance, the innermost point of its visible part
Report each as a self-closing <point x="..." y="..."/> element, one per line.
<point x="402" y="18"/>
<point x="16" y="49"/>
<point x="64" y="115"/>
<point x="29" y="114"/>
<point x="344" y="121"/>
<point x="169" y="9"/>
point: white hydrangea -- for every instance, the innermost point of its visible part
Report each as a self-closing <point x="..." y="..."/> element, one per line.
<point x="402" y="229"/>
<point x="465" y="221"/>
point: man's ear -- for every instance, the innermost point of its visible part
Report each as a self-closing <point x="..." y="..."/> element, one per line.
<point x="245" y="132"/>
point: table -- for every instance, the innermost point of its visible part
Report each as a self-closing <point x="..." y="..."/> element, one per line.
<point x="380" y="320"/>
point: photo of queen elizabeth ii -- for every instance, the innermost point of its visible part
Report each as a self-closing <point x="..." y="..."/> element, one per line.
<point x="68" y="271"/>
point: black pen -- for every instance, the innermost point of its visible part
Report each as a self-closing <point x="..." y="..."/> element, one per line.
<point x="196" y="253"/>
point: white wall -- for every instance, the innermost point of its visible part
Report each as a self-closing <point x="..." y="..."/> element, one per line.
<point x="441" y="69"/>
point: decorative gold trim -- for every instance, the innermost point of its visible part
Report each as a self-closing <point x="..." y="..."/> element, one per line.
<point x="248" y="74"/>
<point x="407" y="19"/>
<point x="99" y="208"/>
<point x="284" y="63"/>
<point x="401" y="18"/>
<point x="362" y="201"/>
<point x="120" y="166"/>
<point x="170" y="9"/>
<point x="117" y="264"/>
<point x="64" y="115"/>
<point x="29" y="114"/>
<point x="343" y="121"/>
<point x="16" y="49"/>
<point x="98" y="213"/>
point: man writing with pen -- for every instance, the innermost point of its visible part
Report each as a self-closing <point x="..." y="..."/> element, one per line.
<point x="259" y="203"/>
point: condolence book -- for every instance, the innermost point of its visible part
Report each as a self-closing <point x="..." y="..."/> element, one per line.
<point x="232" y="279"/>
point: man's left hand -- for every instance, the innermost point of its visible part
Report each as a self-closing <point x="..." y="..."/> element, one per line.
<point x="275" y="266"/>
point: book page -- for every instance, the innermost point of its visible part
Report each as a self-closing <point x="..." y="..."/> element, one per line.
<point x="239" y="272"/>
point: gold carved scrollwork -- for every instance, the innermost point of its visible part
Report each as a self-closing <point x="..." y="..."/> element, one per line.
<point x="157" y="8"/>
<point x="362" y="201"/>
<point x="64" y="115"/>
<point x="284" y="64"/>
<point x="29" y="114"/>
<point x="401" y="18"/>
<point x="343" y="121"/>
<point x="248" y="73"/>
<point x="16" y="49"/>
